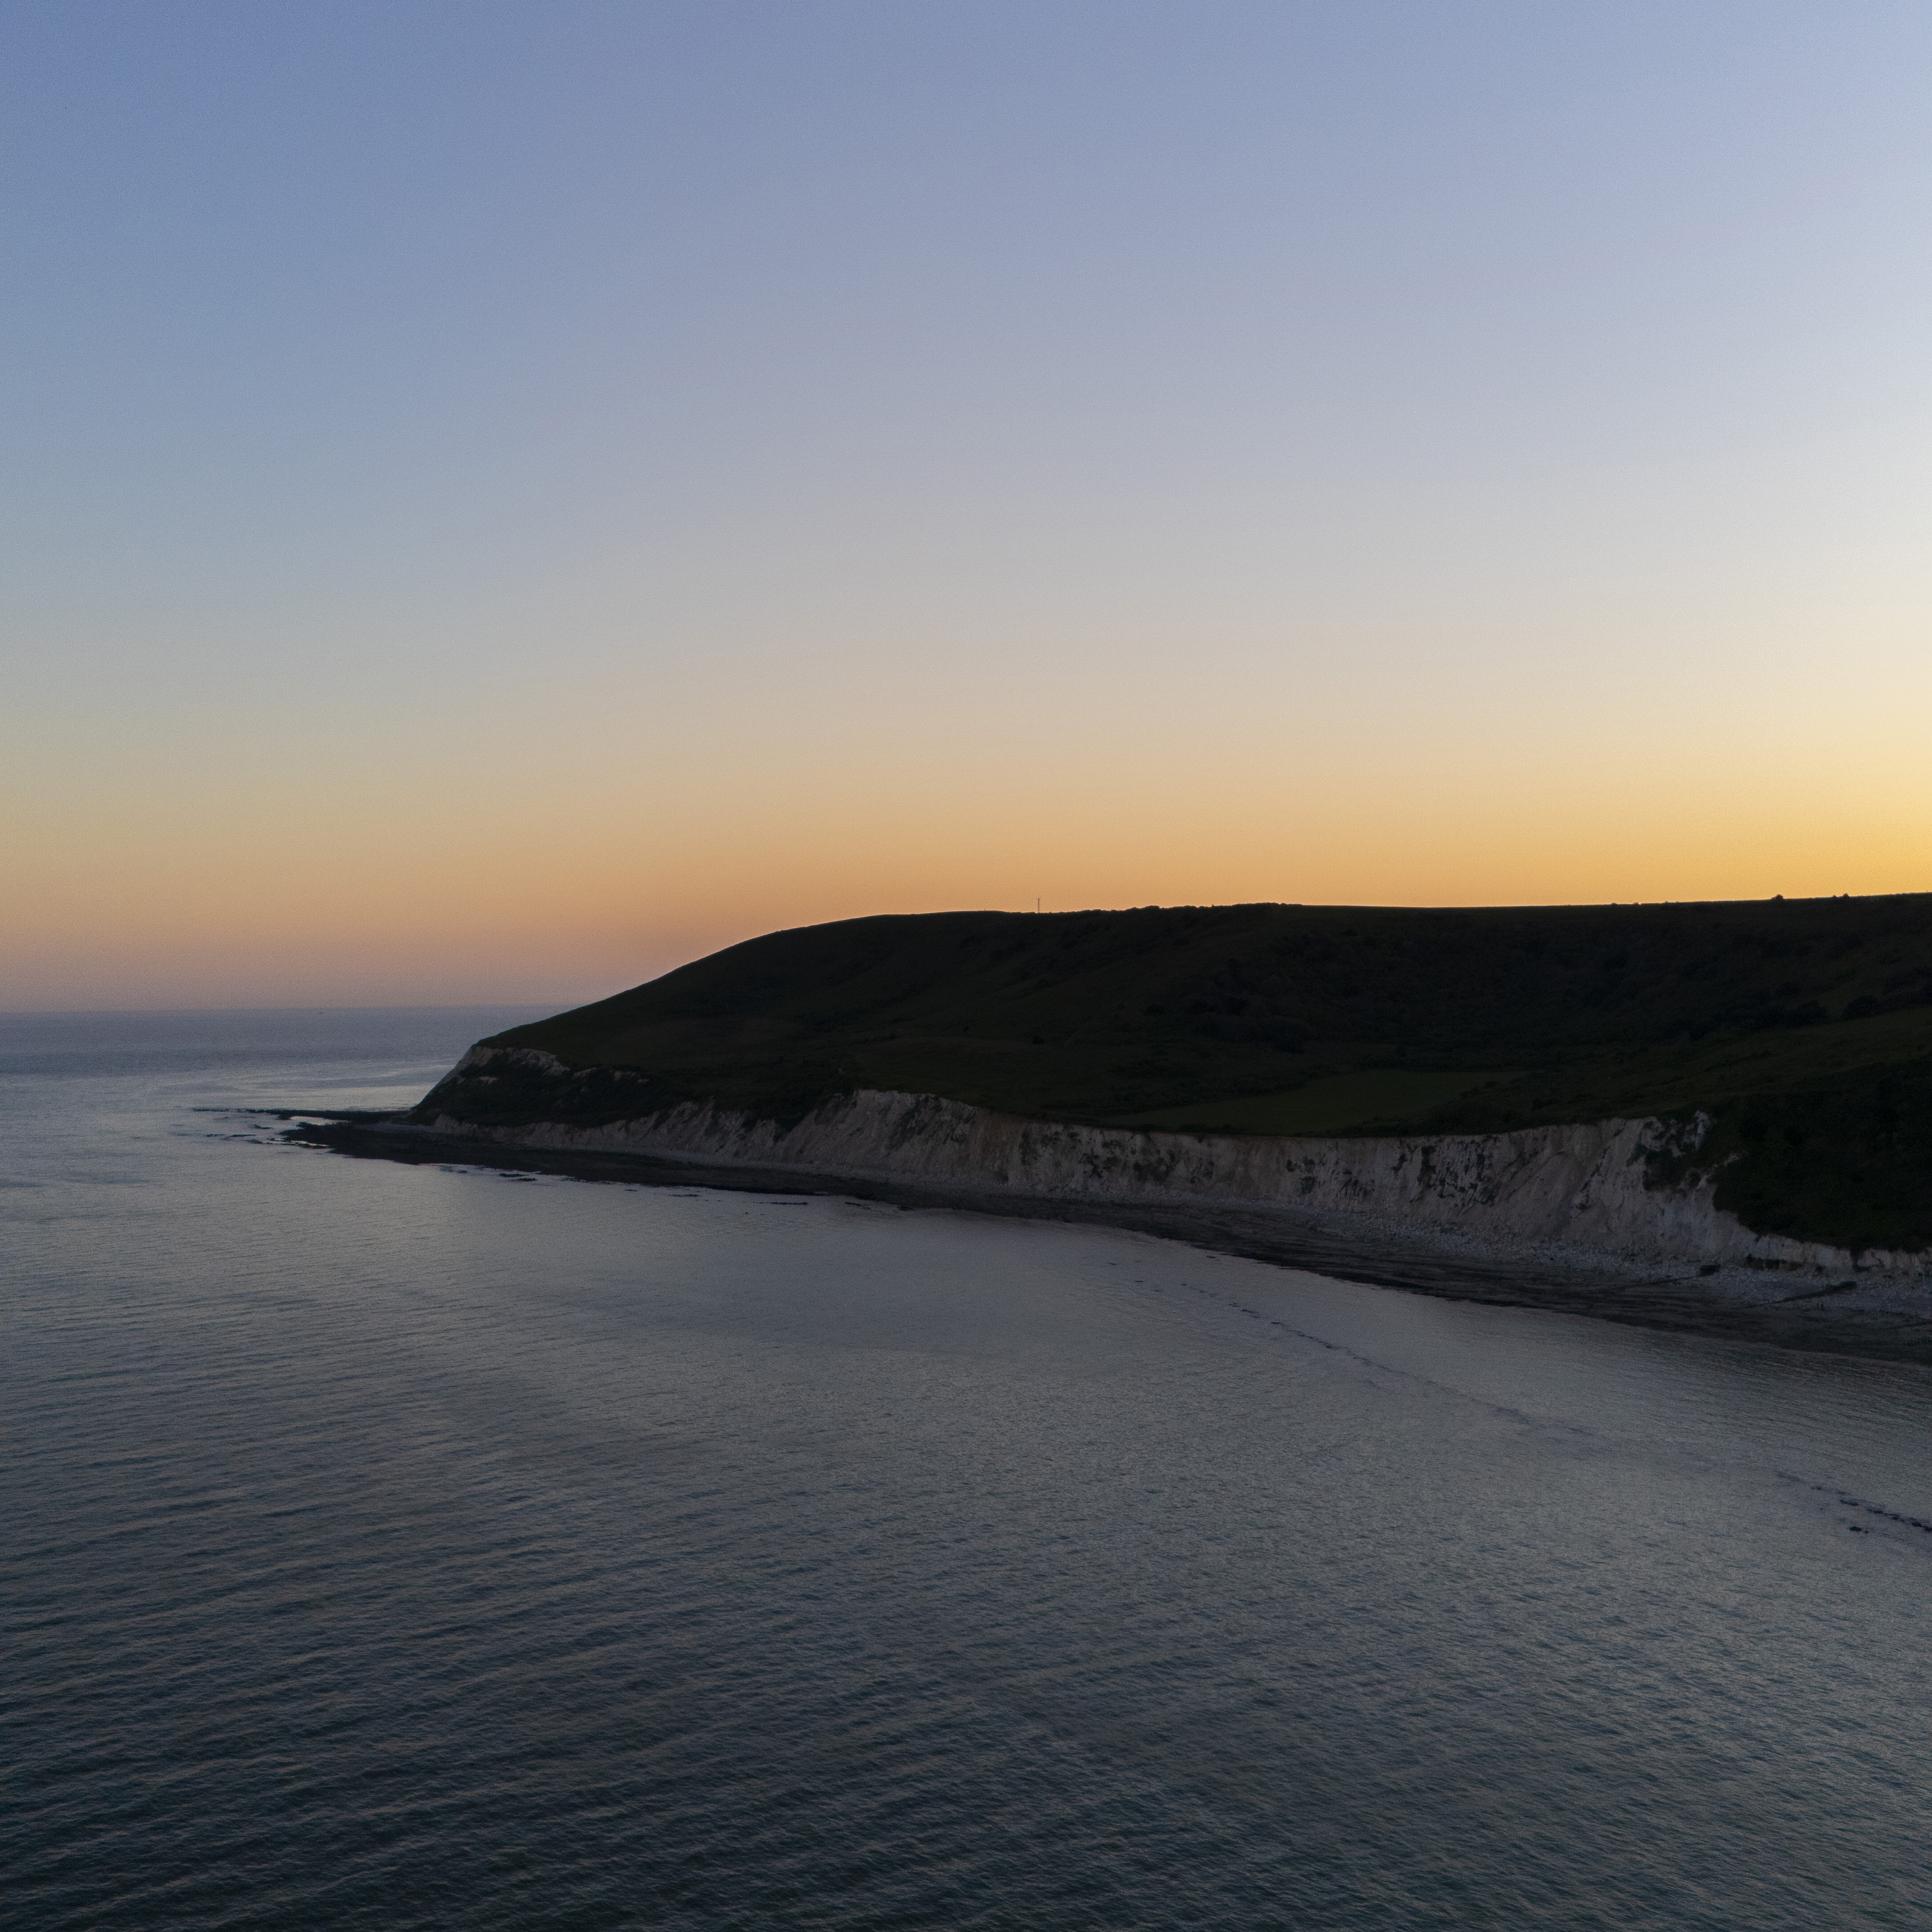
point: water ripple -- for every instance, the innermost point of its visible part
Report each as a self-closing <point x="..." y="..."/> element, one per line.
<point x="395" y="1548"/>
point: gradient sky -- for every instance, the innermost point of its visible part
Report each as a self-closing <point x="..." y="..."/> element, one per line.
<point x="500" y="500"/>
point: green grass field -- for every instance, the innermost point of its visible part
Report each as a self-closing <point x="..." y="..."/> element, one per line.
<point x="1338" y="1104"/>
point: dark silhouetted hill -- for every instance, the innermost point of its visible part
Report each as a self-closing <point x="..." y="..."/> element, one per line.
<point x="1804" y="1027"/>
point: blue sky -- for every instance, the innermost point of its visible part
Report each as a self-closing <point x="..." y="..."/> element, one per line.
<point x="1257" y="451"/>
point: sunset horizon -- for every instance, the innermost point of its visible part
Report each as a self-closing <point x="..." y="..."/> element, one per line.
<point x="966" y="965"/>
<point x="499" y="514"/>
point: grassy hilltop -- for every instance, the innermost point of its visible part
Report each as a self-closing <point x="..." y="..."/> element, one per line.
<point x="1805" y="1026"/>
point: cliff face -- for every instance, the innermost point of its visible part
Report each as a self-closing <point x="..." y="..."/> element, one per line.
<point x="1586" y="1185"/>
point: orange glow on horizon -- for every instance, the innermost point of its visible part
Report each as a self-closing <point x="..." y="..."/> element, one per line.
<point x="415" y="892"/>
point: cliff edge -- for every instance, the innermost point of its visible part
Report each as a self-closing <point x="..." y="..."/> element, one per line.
<point x="1630" y="1190"/>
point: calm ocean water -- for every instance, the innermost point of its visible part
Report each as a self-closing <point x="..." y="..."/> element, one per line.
<point x="406" y="1547"/>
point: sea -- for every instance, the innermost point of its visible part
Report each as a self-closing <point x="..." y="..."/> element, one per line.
<point x="393" y="1546"/>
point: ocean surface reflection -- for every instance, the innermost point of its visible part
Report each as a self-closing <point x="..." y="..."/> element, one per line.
<point x="407" y="1547"/>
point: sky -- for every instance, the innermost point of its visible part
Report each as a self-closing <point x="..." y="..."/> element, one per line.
<point x="497" y="500"/>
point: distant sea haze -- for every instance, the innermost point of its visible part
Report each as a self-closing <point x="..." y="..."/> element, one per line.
<point x="420" y="1546"/>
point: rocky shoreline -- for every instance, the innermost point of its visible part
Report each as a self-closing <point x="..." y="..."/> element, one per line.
<point x="1505" y="1229"/>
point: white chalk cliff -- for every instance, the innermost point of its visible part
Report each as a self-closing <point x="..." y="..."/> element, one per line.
<point x="1583" y="1186"/>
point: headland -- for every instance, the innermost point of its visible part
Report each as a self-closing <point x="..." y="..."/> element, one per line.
<point x="1715" y="1115"/>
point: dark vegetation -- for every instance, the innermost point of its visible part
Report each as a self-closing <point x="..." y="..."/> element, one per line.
<point x="1850" y="1161"/>
<point x="1804" y="1027"/>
